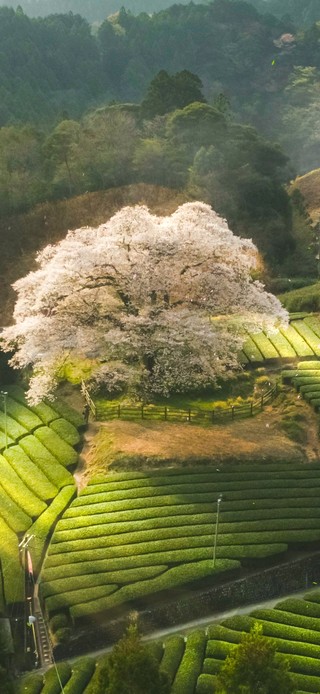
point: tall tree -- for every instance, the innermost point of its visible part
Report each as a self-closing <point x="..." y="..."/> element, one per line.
<point x="254" y="667"/>
<point x="132" y="669"/>
<point x="138" y="296"/>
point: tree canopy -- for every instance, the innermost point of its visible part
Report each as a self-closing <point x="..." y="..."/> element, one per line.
<point x="254" y="667"/>
<point x="145" y="298"/>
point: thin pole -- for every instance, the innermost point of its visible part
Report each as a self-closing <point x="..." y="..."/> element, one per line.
<point x="4" y="395"/>
<point x="219" y="499"/>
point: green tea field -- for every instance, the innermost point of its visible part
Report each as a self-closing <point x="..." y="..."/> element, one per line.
<point x="131" y="535"/>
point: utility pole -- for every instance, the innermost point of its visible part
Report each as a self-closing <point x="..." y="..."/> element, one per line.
<point x="219" y="499"/>
<point x="4" y="395"/>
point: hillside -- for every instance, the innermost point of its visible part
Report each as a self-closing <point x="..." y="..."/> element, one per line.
<point x="309" y="186"/>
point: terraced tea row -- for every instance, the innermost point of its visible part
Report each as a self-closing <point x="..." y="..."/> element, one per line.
<point x="192" y="662"/>
<point x="300" y="339"/>
<point x="306" y="378"/>
<point x="133" y="534"/>
<point x="36" y="445"/>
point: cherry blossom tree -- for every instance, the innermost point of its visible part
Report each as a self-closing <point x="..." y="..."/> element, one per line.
<point x="148" y="300"/>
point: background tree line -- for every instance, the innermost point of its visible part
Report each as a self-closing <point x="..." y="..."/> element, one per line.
<point x="58" y="66"/>
<point x="173" y="139"/>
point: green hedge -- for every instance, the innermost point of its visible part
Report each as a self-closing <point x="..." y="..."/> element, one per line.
<point x="273" y="629"/>
<point x="42" y="527"/>
<point x="29" y="684"/>
<point x="118" y="536"/>
<point x="287" y="640"/>
<point x="173" y="652"/>
<point x="61" y="450"/>
<point x="280" y="616"/>
<point x="68" y="413"/>
<point x="308" y="335"/>
<point x="29" y="473"/>
<point x="297" y="342"/>
<point x="66" y="530"/>
<point x="81" y="675"/>
<point x="66" y="431"/>
<point x="251" y="351"/>
<point x="219" y="649"/>
<point x="17" y="490"/>
<point x="13" y="514"/>
<point x="191" y="664"/>
<point x="75" y="597"/>
<point x="43" y="410"/>
<point x="49" y="465"/>
<point x="28" y="419"/>
<point x="14" y="429"/>
<point x="302" y="607"/>
<point x="314" y="365"/>
<point x="212" y="666"/>
<point x="62" y="585"/>
<point x="206" y="684"/>
<point x="156" y="648"/>
<point x="173" y="577"/>
<point x="282" y="345"/>
<point x="51" y="681"/>
<point x="265" y="346"/>
<point x="308" y="682"/>
<point x="91" y="688"/>
<point x="313" y="323"/>
<point x="13" y="576"/>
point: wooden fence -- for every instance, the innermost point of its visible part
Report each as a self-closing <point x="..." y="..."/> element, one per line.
<point x="173" y="414"/>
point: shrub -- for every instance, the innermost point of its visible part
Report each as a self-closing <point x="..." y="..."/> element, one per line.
<point x="59" y="621"/>
<point x="66" y="431"/>
<point x="29" y="684"/>
<point x="282" y="346"/>
<point x="266" y="347"/>
<point x="280" y="616"/>
<point x="191" y="664"/>
<point x="68" y="413"/>
<point x="51" y="681"/>
<point x="308" y="335"/>
<point x="12" y="574"/>
<point x="61" y="450"/>
<point x="43" y="410"/>
<point x="173" y="651"/>
<point x="49" y="465"/>
<point x="17" y="490"/>
<point x="206" y="684"/>
<point x="28" y="419"/>
<point x="94" y="686"/>
<point x="13" y="514"/>
<point x="43" y="525"/>
<point x="82" y="672"/>
<point x="62" y="636"/>
<point x="64" y="585"/>
<point x="297" y="342"/>
<point x="74" y="597"/>
<point x="212" y="666"/>
<point x="302" y="607"/>
<point x="172" y="577"/>
<point x="29" y="472"/>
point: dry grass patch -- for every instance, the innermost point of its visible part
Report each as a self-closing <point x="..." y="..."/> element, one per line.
<point x="111" y="445"/>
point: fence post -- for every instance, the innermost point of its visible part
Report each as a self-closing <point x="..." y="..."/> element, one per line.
<point x="165" y="413"/>
<point x="119" y="411"/>
<point x="189" y="415"/>
<point x="262" y="402"/>
<point x="212" y="416"/>
<point x="142" y="413"/>
<point x="232" y="411"/>
<point x="251" y="409"/>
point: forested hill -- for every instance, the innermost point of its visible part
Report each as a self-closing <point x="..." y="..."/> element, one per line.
<point x="302" y="12"/>
<point x="92" y="10"/>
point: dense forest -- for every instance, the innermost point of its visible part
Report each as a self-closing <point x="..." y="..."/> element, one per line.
<point x="301" y="12"/>
<point x="218" y="100"/>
